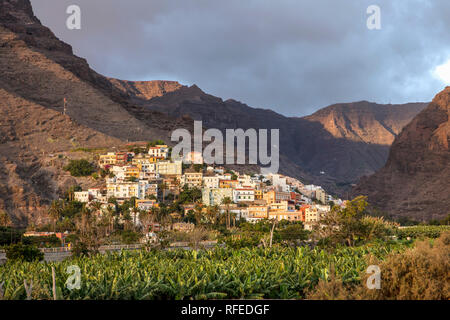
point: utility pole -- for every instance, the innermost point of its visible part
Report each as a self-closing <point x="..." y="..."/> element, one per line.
<point x="65" y="105"/>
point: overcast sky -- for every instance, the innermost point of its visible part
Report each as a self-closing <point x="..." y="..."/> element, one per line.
<point x="292" y="56"/>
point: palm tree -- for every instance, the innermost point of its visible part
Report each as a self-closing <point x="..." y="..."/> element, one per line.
<point x="5" y="220"/>
<point x="110" y="213"/>
<point x="211" y="214"/>
<point x="163" y="186"/>
<point x="144" y="217"/>
<point x="227" y="201"/>
<point x="198" y="212"/>
<point x="97" y="206"/>
<point x="84" y="220"/>
<point x="55" y="212"/>
<point x="126" y="219"/>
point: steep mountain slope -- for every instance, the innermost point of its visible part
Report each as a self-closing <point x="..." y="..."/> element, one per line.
<point x="359" y="137"/>
<point x="145" y="89"/>
<point x="415" y="181"/>
<point x="37" y="71"/>
<point x="37" y="65"/>
<point x="333" y="147"/>
<point x="366" y="122"/>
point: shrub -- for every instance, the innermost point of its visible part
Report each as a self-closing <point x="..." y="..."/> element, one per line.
<point x="9" y="235"/>
<point x="23" y="253"/>
<point x="79" y="168"/>
<point x="42" y="241"/>
<point x="420" y="273"/>
<point x="130" y="237"/>
<point x="421" y="232"/>
<point x="80" y="249"/>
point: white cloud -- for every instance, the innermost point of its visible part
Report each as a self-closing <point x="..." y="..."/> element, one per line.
<point x="442" y="72"/>
<point x="288" y="55"/>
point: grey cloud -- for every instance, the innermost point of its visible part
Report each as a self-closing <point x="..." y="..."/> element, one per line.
<point x="288" y="55"/>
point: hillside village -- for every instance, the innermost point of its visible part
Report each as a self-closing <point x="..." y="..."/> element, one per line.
<point x="148" y="177"/>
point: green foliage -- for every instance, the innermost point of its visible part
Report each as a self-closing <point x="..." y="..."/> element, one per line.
<point x="351" y="225"/>
<point x="80" y="249"/>
<point x="155" y="143"/>
<point x="276" y="273"/>
<point x="43" y="241"/>
<point x="80" y="168"/>
<point x="130" y="237"/>
<point x="88" y="150"/>
<point x="23" y="252"/>
<point x="189" y="195"/>
<point x="244" y="241"/>
<point x="420" y="232"/>
<point x="5" y="220"/>
<point x="9" y="235"/>
<point x="198" y="167"/>
<point x="71" y="208"/>
<point x="293" y="232"/>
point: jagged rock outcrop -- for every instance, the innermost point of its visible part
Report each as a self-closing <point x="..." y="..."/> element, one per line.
<point x="146" y="90"/>
<point x="415" y="181"/>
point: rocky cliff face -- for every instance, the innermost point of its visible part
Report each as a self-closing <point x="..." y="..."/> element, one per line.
<point x="145" y="90"/>
<point x="366" y="122"/>
<point x="416" y="178"/>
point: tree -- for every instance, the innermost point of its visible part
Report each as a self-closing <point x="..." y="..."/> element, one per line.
<point x="80" y="168"/>
<point x="127" y="219"/>
<point x="145" y="219"/>
<point x="198" y="167"/>
<point x="70" y="193"/>
<point x="110" y="212"/>
<point x="163" y="186"/>
<point x="89" y="237"/>
<point x="55" y="212"/>
<point x="293" y="233"/>
<point x="198" y="213"/>
<point x="97" y="206"/>
<point x="351" y="225"/>
<point x="211" y="214"/>
<point x="23" y="253"/>
<point x="155" y="143"/>
<point x="5" y="220"/>
<point x="227" y="201"/>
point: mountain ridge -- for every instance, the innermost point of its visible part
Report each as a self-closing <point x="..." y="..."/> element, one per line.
<point x="358" y="143"/>
<point x="415" y="181"/>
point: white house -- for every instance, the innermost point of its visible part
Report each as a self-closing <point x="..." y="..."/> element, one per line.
<point x="243" y="194"/>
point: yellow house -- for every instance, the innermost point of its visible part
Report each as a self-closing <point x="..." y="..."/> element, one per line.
<point x="286" y="215"/>
<point x="108" y="159"/>
<point x="193" y="179"/>
<point x="258" y="195"/>
<point x="132" y="172"/>
<point x="258" y="211"/>
<point x="276" y="196"/>
<point x="228" y="184"/>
